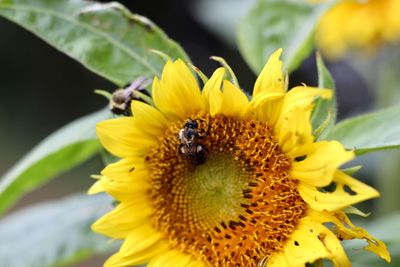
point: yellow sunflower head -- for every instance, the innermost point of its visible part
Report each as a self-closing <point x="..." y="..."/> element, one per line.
<point x="211" y="178"/>
<point x="358" y="24"/>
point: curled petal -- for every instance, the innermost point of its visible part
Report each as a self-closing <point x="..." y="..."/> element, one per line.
<point x="302" y="96"/>
<point x="310" y="241"/>
<point x="212" y="91"/>
<point x="348" y="191"/>
<point x="271" y="77"/>
<point x="266" y="106"/>
<point x="346" y="230"/>
<point x="320" y="163"/>
<point x="294" y="131"/>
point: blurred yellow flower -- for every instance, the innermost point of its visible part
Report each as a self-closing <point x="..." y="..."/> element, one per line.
<point x="211" y="178"/>
<point x="358" y="24"/>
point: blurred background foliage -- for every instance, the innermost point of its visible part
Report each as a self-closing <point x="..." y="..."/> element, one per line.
<point x="42" y="90"/>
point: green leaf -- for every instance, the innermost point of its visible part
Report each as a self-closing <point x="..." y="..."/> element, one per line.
<point x="273" y="24"/>
<point x="222" y="24"/>
<point x="105" y="38"/>
<point x="352" y="170"/>
<point x="324" y="114"/>
<point x="55" y="233"/>
<point x="64" y="149"/>
<point x="370" y="132"/>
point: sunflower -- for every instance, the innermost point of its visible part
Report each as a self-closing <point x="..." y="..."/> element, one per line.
<point x="211" y="178"/>
<point x="358" y="24"/>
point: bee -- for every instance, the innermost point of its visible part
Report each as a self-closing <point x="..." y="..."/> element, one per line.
<point x="120" y="102"/>
<point x="190" y="146"/>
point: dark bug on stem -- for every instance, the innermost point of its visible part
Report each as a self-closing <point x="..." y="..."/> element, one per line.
<point x="120" y="102"/>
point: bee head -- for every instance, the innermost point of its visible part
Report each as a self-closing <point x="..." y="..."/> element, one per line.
<point x="191" y="124"/>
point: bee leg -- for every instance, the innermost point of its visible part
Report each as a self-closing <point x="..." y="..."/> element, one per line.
<point x="201" y="154"/>
<point x="181" y="149"/>
<point x="199" y="149"/>
<point x="180" y="135"/>
<point x="202" y="136"/>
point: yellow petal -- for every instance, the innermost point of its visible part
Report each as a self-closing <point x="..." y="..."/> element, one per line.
<point x="124" y="191"/>
<point x="293" y="126"/>
<point x="374" y="245"/>
<point x="125" y="170"/>
<point x="129" y="255"/>
<point x="122" y="220"/>
<point x="177" y="94"/>
<point x="266" y="106"/>
<point x="212" y="91"/>
<point x="271" y="77"/>
<point x="234" y="100"/>
<point x="339" y="198"/>
<point x="163" y="99"/>
<point x="148" y="118"/>
<point x="97" y="187"/>
<point x="346" y="230"/>
<point x="320" y="163"/>
<point x="125" y="179"/>
<point x="174" y="258"/>
<point x="302" y="96"/>
<point x="310" y="241"/>
<point x="333" y="245"/>
<point x="123" y="138"/>
<point x="197" y="264"/>
<point x="294" y="131"/>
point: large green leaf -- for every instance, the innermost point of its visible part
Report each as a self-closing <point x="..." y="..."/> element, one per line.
<point x="66" y="148"/>
<point x="370" y="132"/>
<point x="223" y="24"/>
<point x="106" y="38"/>
<point x="55" y="233"/>
<point x="273" y="24"/>
<point x="324" y="114"/>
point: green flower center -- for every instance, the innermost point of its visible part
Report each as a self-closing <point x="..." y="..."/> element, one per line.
<point x="216" y="190"/>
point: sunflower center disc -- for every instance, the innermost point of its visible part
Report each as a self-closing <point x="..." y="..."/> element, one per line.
<point x="237" y="207"/>
<point x="216" y="190"/>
